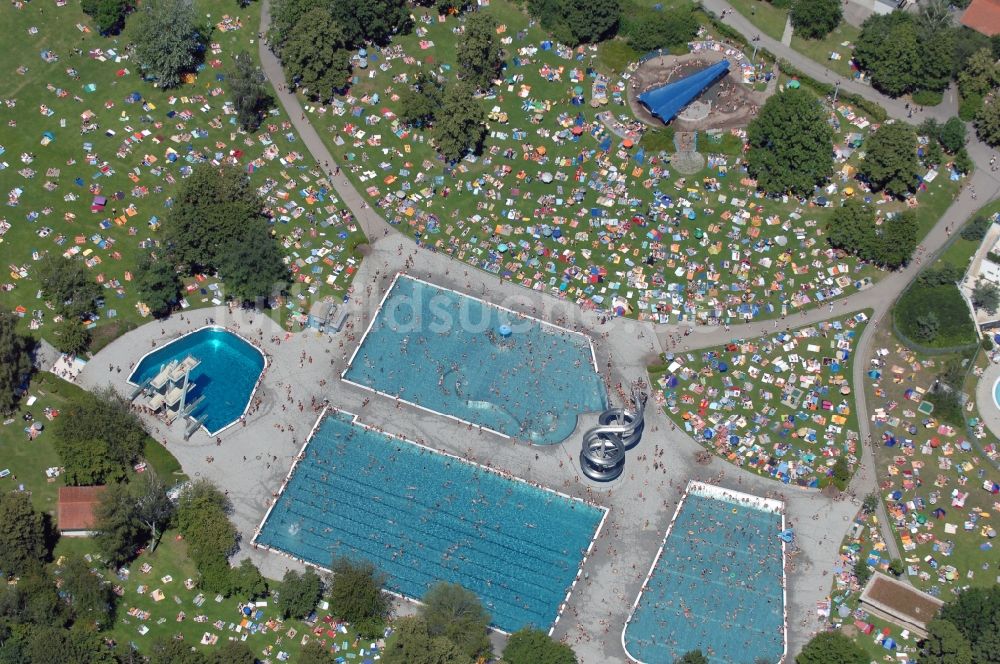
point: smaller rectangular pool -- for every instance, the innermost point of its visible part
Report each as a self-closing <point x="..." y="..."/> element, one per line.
<point x="717" y="584"/>
<point x="421" y="517"/>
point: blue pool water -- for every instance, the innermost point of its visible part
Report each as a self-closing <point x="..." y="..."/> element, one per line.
<point x="716" y="587"/>
<point x="449" y="353"/>
<point x="227" y="374"/>
<point x="422" y="517"/>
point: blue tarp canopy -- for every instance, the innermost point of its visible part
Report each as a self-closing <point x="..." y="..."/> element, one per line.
<point x="667" y="101"/>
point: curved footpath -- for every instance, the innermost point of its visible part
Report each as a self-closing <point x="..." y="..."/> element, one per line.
<point x="611" y="585"/>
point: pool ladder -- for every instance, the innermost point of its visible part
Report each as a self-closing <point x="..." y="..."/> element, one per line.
<point x="602" y="457"/>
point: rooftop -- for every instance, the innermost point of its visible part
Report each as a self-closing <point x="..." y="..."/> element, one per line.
<point x="76" y="507"/>
<point x="983" y="16"/>
<point x="900" y="600"/>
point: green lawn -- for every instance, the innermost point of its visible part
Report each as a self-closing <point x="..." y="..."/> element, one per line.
<point x="840" y="41"/>
<point x="780" y="396"/>
<point x="768" y="18"/>
<point x="27" y="460"/>
<point x="171" y="567"/>
<point x="130" y="160"/>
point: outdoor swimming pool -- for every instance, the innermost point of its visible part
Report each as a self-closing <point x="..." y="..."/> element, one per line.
<point x="421" y="517"/>
<point x="459" y="356"/>
<point x="716" y="585"/>
<point x="226" y="377"/>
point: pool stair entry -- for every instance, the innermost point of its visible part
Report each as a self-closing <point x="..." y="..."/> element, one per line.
<point x="602" y="457"/>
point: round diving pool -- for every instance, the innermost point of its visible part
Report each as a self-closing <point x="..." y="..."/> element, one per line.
<point x="224" y="379"/>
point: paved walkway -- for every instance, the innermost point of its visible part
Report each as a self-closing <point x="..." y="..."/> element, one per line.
<point x="786" y="36"/>
<point x="252" y="461"/>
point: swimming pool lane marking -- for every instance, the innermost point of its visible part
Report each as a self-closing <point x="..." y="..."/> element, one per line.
<point x="219" y="328"/>
<point x="356" y="421"/>
<point x="702" y="489"/>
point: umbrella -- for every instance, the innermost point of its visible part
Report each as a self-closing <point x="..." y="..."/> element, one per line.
<point x="794" y="85"/>
<point x="627" y="143"/>
<point x="577" y="130"/>
<point x="547" y="177"/>
<point x="540" y="149"/>
<point x="502" y="248"/>
<point x="505" y="331"/>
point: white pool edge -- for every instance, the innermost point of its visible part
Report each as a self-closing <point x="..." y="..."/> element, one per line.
<point x="355" y="419"/>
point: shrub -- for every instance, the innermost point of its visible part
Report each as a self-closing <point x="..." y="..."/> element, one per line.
<point x="975" y="230"/>
<point x="969" y="106"/>
<point x="927" y="98"/>
<point x="955" y="327"/>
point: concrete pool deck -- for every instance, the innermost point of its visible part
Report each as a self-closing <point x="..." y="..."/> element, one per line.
<point x="988" y="408"/>
<point x="252" y="461"/>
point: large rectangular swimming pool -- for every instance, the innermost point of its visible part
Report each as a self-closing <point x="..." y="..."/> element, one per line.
<point x="479" y="363"/>
<point x="421" y="517"/>
<point x="717" y="585"/>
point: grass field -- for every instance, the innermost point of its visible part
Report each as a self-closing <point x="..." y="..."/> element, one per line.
<point x="840" y="41"/>
<point x="776" y="405"/>
<point x="768" y="18"/>
<point x="135" y="156"/>
<point x="613" y="227"/>
<point x="170" y="567"/>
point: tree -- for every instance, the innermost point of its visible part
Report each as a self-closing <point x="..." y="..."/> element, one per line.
<point x="791" y="144"/>
<point x="933" y="155"/>
<point x="988" y="121"/>
<point x="870" y="503"/>
<point x="660" y="29"/>
<point x="299" y="593"/>
<point x="419" y="103"/>
<point x="234" y="652"/>
<point x="109" y="15"/>
<point x="890" y="161"/>
<point x="533" y="646"/>
<point x="577" y="22"/>
<point x="945" y="644"/>
<point x="171" y="651"/>
<point x="457" y="614"/>
<point x="216" y="224"/>
<point x="99" y="438"/>
<point x="372" y="20"/>
<point x="202" y="517"/>
<point x="67" y="285"/>
<point x="815" y="19"/>
<point x="897" y="240"/>
<point x="118" y="534"/>
<point x="314" y="653"/>
<point x="166" y="40"/>
<point x="24" y="534"/>
<point x="33" y="600"/>
<point x="852" y="228"/>
<point x="92" y="599"/>
<point x="247" y="581"/>
<point x="48" y="644"/>
<point x="980" y="74"/>
<point x="478" y="51"/>
<point x="70" y="336"/>
<point x="937" y="57"/>
<point x="975" y="230"/>
<point x="157" y="284"/>
<point x="927" y="325"/>
<point x="247" y="89"/>
<point x="285" y="14"/>
<point x="461" y="124"/>
<point x="963" y="162"/>
<point x="315" y="55"/>
<point x="840" y="473"/>
<point x="888" y="50"/>
<point x="831" y="648"/>
<point x="986" y="295"/>
<point x="896" y="567"/>
<point x="976" y="614"/>
<point x="862" y="572"/>
<point x="412" y="644"/>
<point x="692" y="657"/>
<point x="952" y="135"/>
<point x="356" y="594"/>
<point x="15" y="363"/>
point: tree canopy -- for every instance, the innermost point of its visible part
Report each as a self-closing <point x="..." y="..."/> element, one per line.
<point x="815" y="19"/>
<point x="577" y="22"/>
<point x="945" y="644"/>
<point x="166" y="39"/>
<point x="299" y="593"/>
<point x="451" y="611"/>
<point x="91" y="599"/>
<point x="533" y="646"/>
<point x="412" y="644"/>
<point x="98" y="438"/>
<point x="888" y="50"/>
<point x="831" y="648"/>
<point x="478" y="51"/>
<point x="952" y="135"/>
<point x="460" y="127"/>
<point x="70" y="336"/>
<point x="356" y="594"/>
<point x="24" y="534"/>
<point x="315" y="54"/>
<point x="791" y="144"/>
<point x="420" y="101"/>
<point x="692" y="657"/>
<point x="976" y="614"/>
<point x="67" y="285"/>
<point x="853" y="228"/>
<point x="988" y="120"/>
<point x="372" y="20"/>
<point x="651" y="30"/>
<point x="890" y="161"/>
<point x="157" y="284"/>
<point x="15" y="362"/>
<point x="108" y="15"/>
<point x="216" y="223"/>
<point x="248" y="91"/>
